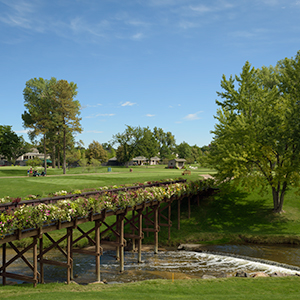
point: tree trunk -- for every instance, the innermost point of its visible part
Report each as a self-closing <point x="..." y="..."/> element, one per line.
<point x="64" y="153"/>
<point x="58" y="158"/>
<point x="53" y="157"/>
<point x="278" y="197"/>
<point x="45" y="155"/>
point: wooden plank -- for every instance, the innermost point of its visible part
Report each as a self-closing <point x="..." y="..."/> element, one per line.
<point x="133" y="236"/>
<point x="19" y="277"/>
<point x="111" y="243"/>
<point x="88" y="252"/>
<point x="19" y="254"/>
<point x="55" y="263"/>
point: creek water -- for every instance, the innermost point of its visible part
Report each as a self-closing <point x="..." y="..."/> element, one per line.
<point x="218" y="261"/>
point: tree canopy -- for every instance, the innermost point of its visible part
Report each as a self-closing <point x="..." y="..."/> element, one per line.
<point x="51" y="111"/>
<point x="257" y="134"/>
<point x="96" y="151"/>
<point x="12" y="146"/>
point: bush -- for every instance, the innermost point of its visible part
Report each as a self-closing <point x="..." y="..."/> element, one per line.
<point x="34" y="162"/>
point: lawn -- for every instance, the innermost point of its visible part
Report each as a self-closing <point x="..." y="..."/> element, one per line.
<point x="226" y="288"/>
<point x="79" y="178"/>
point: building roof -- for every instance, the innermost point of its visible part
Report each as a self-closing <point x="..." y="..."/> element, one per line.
<point x="178" y="159"/>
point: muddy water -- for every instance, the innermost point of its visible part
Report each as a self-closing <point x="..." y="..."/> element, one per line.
<point x="165" y="264"/>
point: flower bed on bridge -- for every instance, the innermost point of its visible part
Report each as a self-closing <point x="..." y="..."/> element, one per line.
<point x="65" y="210"/>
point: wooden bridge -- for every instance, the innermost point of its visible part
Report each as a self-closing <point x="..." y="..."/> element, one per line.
<point x="148" y="216"/>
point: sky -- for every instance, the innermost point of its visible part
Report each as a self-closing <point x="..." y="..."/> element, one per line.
<point x="140" y="62"/>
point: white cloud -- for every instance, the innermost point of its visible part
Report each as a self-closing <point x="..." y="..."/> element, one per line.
<point x="188" y="24"/>
<point x="149" y="115"/>
<point x="105" y="115"/>
<point x="201" y="8"/>
<point x="98" y="104"/>
<point x="99" y="115"/>
<point x="192" y="117"/>
<point x="138" y="36"/>
<point x="128" y="104"/>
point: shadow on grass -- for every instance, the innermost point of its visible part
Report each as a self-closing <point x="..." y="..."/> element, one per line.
<point x="12" y="172"/>
<point x="233" y="211"/>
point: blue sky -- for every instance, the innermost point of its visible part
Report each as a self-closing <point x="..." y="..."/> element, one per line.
<point x="140" y="62"/>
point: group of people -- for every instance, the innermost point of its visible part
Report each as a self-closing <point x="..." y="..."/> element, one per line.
<point x="35" y="173"/>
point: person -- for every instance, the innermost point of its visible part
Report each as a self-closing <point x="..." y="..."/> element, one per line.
<point x="28" y="172"/>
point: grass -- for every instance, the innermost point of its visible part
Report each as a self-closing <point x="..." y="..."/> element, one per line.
<point x="232" y="215"/>
<point x="235" y="216"/>
<point x="78" y="178"/>
<point x="228" y="288"/>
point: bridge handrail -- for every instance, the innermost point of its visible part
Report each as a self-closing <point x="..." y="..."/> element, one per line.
<point x="51" y="200"/>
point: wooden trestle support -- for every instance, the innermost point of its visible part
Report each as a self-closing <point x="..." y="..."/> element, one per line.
<point x="146" y="217"/>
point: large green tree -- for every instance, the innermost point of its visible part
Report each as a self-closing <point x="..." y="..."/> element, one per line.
<point x="257" y="134"/>
<point x="166" y="142"/>
<point x="184" y="150"/>
<point x="96" y="151"/>
<point x="66" y="111"/>
<point x="128" y="142"/>
<point x="148" y="145"/>
<point x="12" y="146"/>
<point x="38" y="103"/>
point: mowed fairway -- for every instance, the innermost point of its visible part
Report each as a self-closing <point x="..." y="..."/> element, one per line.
<point x="14" y="185"/>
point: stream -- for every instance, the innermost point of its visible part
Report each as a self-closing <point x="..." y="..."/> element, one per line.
<point x="216" y="260"/>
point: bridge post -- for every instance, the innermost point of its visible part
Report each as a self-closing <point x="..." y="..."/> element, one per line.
<point x="178" y="214"/>
<point x="155" y="211"/>
<point x="4" y="263"/>
<point x="97" y="240"/>
<point x="69" y="255"/>
<point x="189" y="207"/>
<point x="169" y="222"/>
<point x="118" y="240"/>
<point x="42" y="280"/>
<point x="133" y="231"/>
<point x="121" y="232"/>
<point x="35" y="261"/>
<point x="140" y="233"/>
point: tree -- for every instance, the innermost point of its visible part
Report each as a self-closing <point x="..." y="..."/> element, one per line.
<point x="257" y="136"/>
<point x="196" y="153"/>
<point x="12" y="146"/>
<point x="184" y="150"/>
<point x="96" y="151"/>
<point x="73" y="156"/>
<point x="147" y="145"/>
<point x="111" y="152"/>
<point x="128" y="140"/>
<point x="66" y="111"/>
<point x="38" y="115"/>
<point x="166" y="142"/>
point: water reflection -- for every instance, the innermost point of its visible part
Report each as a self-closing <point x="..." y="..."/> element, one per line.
<point x="182" y="264"/>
